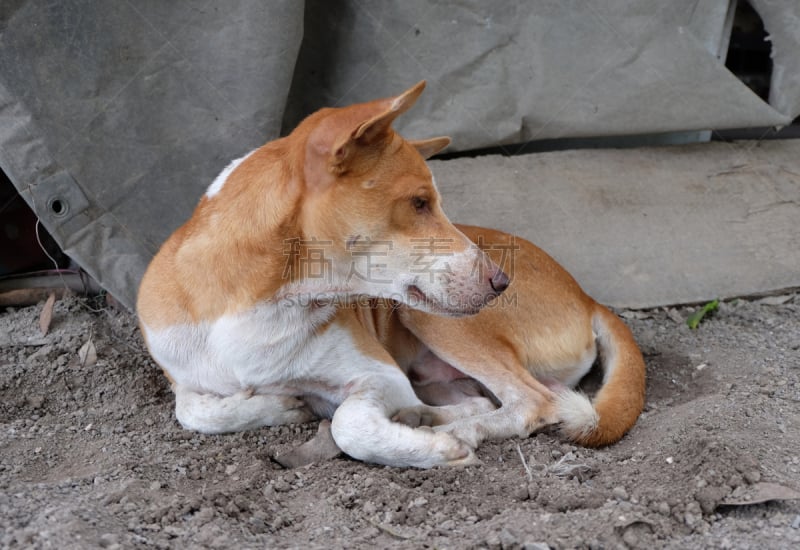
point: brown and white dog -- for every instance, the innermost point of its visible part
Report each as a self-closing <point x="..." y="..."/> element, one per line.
<point x="319" y="276"/>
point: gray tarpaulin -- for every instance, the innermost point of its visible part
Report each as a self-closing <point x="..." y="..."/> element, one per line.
<point x="115" y="116"/>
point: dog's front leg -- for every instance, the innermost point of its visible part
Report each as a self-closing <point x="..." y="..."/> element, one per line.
<point x="526" y="405"/>
<point x="362" y="425"/>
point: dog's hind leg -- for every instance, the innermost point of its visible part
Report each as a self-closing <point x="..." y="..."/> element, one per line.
<point x="362" y="428"/>
<point x="213" y="414"/>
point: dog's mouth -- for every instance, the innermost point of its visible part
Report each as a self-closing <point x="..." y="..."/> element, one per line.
<point x="419" y="300"/>
<point x="416" y="295"/>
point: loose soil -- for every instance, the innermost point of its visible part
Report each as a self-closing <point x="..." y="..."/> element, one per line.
<point x="91" y="454"/>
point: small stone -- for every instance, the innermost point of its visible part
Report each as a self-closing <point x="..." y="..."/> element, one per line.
<point x="752" y="476"/>
<point x="709" y="498"/>
<point x="421" y="501"/>
<point x="174" y="531"/>
<point x="690" y="519"/>
<point x="521" y="493"/>
<point x="631" y="538"/>
<point x="35" y="401"/>
<point x="493" y="541"/>
<point x="449" y="525"/>
<point x="620" y="493"/>
<point x="155" y="486"/>
<point x="257" y="525"/>
<point x="735" y="481"/>
<point x="507" y="539"/>
<point x="109" y="540"/>
<point x="282" y="487"/>
<point x="204" y="515"/>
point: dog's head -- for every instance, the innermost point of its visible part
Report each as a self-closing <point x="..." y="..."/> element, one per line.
<point x="373" y="212"/>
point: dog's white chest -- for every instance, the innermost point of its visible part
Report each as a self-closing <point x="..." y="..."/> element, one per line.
<point x="268" y="346"/>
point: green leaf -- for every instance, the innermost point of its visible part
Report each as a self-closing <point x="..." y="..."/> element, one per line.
<point x="694" y="319"/>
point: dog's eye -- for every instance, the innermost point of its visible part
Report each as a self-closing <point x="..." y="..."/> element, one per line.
<point x="420" y="204"/>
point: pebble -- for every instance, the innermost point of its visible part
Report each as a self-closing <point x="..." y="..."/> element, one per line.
<point x="507" y="539"/>
<point x="503" y="539"/>
<point x="630" y="538"/>
<point x="35" y="401"/>
<point x="620" y="493"/>
<point x="449" y="525"/>
<point x="690" y="519"/>
<point x="752" y="476"/>
<point x="421" y="501"/>
<point x="281" y="486"/>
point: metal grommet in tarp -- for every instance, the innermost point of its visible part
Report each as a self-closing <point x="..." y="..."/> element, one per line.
<point x="58" y="207"/>
<point x="57" y="199"/>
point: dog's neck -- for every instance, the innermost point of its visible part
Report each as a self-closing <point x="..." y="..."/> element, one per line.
<point x="254" y="243"/>
<point x="240" y="235"/>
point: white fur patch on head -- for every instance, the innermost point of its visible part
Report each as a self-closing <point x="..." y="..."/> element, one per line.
<point x="219" y="181"/>
<point x="577" y="414"/>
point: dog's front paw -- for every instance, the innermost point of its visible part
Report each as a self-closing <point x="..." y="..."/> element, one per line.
<point x="274" y="410"/>
<point x="469" y="432"/>
<point x="296" y="411"/>
<point x="454" y="451"/>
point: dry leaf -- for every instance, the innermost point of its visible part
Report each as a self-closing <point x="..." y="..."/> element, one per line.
<point x="775" y="300"/>
<point x="674" y="315"/>
<point x="47" y="314"/>
<point x="321" y="447"/>
<point x="88" y="354"/>
<point x="760" y="492"/>
<point x="635" y="314"/>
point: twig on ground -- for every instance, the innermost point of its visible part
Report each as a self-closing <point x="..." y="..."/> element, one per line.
<point x="525" y="464"/>
<point x="389" y="531"/>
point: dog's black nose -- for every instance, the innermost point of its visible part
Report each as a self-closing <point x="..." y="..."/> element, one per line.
<point x="499" y="281"/>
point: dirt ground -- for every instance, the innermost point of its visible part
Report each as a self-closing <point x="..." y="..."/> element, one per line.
<point x="92" y="456"/>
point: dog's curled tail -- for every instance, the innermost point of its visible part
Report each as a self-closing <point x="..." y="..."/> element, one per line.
<point x="620" y="399"/>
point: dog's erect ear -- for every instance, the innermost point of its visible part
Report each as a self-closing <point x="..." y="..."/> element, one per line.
<point x="376" y="127"/>
<point x="429" y="147"/>
<point x="380" y="124"/>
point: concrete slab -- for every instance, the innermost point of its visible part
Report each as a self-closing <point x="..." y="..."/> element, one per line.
<point x="646" y="227"/>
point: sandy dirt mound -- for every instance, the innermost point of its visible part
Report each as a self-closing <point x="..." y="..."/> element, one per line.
<point x="92" y="455"/>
